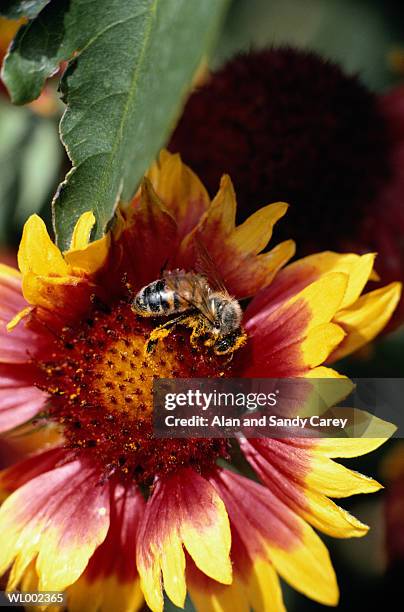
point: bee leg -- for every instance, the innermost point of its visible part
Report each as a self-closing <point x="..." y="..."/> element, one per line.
<point x="161" y="332"/>
<point x="240" y="341"/>
<point x="199" y="328"/>
<point x="150" y="346"/>
<point x="226" y="363"/>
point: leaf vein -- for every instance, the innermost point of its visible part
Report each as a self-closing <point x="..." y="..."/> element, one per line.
<point x="138" y="63"/>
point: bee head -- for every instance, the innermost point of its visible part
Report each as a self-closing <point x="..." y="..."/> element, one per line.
<point x="229" y="343"/>
<point x="229" y="317"/>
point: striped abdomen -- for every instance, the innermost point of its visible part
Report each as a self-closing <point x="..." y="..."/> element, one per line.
<point x="160" y="298"/>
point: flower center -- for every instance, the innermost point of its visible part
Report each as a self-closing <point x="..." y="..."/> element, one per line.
<point x="102" y="393"/>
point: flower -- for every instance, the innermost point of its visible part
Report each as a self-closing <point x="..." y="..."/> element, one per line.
<point x="110" y="513"/>
<point x="288" y="124"/>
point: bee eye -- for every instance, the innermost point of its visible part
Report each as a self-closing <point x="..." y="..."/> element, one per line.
<point x="216" y="325"/>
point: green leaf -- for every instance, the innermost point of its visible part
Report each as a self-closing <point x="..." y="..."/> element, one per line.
<point x="14" y="9"/>
<point x="123" y="96"/>
<point x="38" y="49"/>
<point x="133" y="66"/>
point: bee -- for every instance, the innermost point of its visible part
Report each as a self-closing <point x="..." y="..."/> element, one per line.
<point x="209" y="311"/>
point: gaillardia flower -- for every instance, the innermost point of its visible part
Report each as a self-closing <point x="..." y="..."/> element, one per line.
<point x="289" y="125"/>
<point x="111" y="514"/>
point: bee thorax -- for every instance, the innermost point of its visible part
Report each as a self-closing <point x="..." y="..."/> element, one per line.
<point x="228" y="314"/>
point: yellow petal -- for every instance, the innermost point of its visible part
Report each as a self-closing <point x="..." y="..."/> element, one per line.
<point x="91" y="258"/>
<point x="18" y="318"/>
<point x="330" y="393"/>
<point x="324" y="372"/>
<point x="323" y="298"/>
<point x="37" y="527"/>
<point x="307" y="567"/>
<point x="275" y="259"/>
<point x="104" y="595"/>
<point x="346" y="448"/>
<point x="173" y="569"/>
<point x="264" y="590"/>
<point x="326" y="516"/>
<point x="18" y="570"/>
<point x="366" y="318"/>
<point x="150" y="583"/>
<point x="30" y="579"/>
<point x="8" y="29"/>
<point x="219" y="218"/>
<point x="82" y="254"/>
<point x="179" y="188"/>
<point x="82" y="231"/>
<point x="37" y="253"/>
<point x="223" y="207"/>
<point x="210" y="547"/>
<point x="195" y="517"/>
<point x="220" y="598"/>
<point x="256" y="271"/>
<point x="49" y="292"/>
<point x="358" y="269"/>
<point x="320" y="342"/>
<point x="254" y="234"/>
<point x="335" y="480"/>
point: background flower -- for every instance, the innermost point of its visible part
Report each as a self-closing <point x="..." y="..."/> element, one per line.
<point x="290" y="125"/>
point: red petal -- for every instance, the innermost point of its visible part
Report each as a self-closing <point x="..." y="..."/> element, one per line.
<point x="19" y="399"/>
<point x="17" y="475"/>
<point x="116" y="555"/>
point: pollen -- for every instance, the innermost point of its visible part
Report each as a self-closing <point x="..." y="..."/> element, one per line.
<point x="101" y="388"/>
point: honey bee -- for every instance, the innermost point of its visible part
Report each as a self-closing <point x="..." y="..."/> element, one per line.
<point x="210" y="312"/>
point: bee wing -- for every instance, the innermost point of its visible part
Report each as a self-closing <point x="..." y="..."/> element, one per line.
<point x="192" y="288"/>
<point x="207" y="267"/>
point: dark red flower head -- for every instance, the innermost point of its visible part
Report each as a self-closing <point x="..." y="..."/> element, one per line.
<point x="288" y="125"/>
